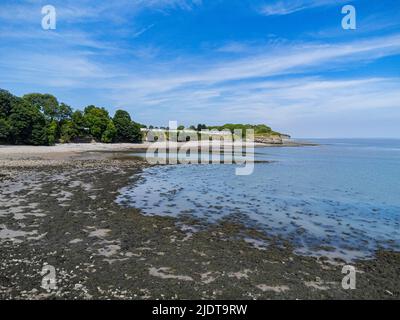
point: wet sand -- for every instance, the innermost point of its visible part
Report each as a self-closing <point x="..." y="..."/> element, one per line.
<point x="59" y="209"/>
<point x="73" y="150"/>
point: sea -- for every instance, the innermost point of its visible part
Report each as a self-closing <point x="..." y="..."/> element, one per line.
<point x="339" y="198"/>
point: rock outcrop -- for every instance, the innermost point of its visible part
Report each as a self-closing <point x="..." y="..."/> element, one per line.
<point x="273" y="139"/>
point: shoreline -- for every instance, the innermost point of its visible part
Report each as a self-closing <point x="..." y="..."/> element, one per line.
<point x="61" y="151"/>
<point x="62" y="211"/>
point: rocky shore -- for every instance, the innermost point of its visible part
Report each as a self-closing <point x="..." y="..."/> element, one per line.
<point x="61" y="212"/>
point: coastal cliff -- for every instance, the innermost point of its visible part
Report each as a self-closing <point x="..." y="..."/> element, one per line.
<point x="272" y="139"/>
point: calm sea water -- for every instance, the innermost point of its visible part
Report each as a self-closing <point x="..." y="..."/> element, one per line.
<point x="343" y="195"/>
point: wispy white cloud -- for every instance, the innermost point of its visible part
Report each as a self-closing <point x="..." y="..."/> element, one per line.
<point x="233" y="47"/>
<point x="285" y="7"/>
<point x="282" y="83"/>
<point x="299" y="105"/>
<point x="160" y="78"/>
<point x="367" y="25"/>
<point x="221" y="89"/>
<point x="175" y="4"/>
<point x="142" y="31"/>
<point x="288" y="59"/>
<point x="86" y="11"/>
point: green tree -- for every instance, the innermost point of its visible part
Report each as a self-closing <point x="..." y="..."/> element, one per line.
<point x="78" y="120"/>
<point x="46" y="103"/>
<point x="7" y="100"/>
<point x="127" y="130"/>
<point x="40" y="119"/>
<point x="69" y="132"/>
<point x="74" y="128"/>
<point x="4" y="130"/>
<point x="97" y="120"/>
<point x="27" y="125"/>
<point x="39" y="135"/>
<point x="138" y="133"/>
<point x="64" y="112"/>
<point x="201" y="127"/>
<point x="55" y="114"/>
<point x="52" y="132"/>
<point x="110" y="133"/>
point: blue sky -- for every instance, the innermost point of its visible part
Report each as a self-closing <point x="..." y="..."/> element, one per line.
<point x="285" y="63"/>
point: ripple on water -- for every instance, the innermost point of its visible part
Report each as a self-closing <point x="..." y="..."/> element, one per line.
<point x="312" y="203"/>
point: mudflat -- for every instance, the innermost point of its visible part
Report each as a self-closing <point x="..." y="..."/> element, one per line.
<point x="58" y="208"/>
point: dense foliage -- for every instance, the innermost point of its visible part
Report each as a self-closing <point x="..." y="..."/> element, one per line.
<point x="259" y="130"/>
<point x="39" y="119"/>
<point x="125" y="129"/>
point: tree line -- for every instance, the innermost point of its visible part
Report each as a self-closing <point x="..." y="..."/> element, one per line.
<point x="259" y="129"/>
<point x="39" y="119"/>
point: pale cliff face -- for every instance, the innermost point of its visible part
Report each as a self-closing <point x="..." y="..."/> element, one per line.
<point x="268" y="139"/>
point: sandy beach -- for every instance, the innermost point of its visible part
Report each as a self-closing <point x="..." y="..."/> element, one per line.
<point x="68" y="150"/>
<point x="57" y="207"/>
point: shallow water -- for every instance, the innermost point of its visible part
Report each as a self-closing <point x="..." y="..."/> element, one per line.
<point x="343" y="194"/>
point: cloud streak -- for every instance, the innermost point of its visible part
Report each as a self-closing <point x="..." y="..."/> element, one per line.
<point x="286" y="7"/>
<point x="289" y="84"/>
